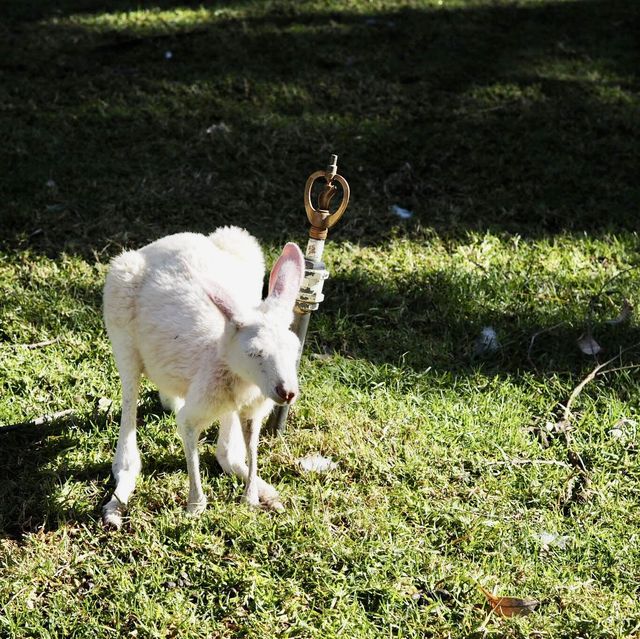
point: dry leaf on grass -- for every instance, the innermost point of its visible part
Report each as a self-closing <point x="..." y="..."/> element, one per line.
<point x="588" y="345"/>
<point x="625" y="313"/>
<point x="624" y="429"/>
<point x="509" y="606"/>
<point x="221" y="128"/>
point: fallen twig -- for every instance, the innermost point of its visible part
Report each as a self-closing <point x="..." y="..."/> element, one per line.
<point x="480" y="266"/>
<point x="46" y="342"/>
<point x="590" y="377"/>
<point x="523" y="462"/>
<point x="38" y="421"/>
<point x="579" y="484"/>
<point x="621" y="368"/>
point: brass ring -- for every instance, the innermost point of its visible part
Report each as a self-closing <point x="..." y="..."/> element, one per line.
<point x="319" y="218"/>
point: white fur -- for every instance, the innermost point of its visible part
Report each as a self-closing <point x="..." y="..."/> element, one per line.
<point x="187" y="312"/>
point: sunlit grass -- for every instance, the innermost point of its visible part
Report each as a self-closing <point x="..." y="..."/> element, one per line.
<point x="157" y="21"/>
<point x="144" y="21"/>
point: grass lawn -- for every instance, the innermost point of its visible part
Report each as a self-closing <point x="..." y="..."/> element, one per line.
<point x="511" y="130"/>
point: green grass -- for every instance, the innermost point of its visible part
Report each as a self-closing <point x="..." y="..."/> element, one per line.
<point x="519" y="120"/>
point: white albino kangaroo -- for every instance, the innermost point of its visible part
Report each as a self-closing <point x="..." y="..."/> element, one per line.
<point x="187" y="312"/>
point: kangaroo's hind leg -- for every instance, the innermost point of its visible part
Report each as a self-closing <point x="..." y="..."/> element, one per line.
<point x="126" y="464"/>
<point x="121" y="290"/>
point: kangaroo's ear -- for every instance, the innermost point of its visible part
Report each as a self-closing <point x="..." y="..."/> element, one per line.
<point x="224" y="303"/>
<point x="286" y="276"/>
<point x="222" y="300"/>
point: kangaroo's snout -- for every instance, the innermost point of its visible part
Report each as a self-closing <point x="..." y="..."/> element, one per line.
<point x="287" y="396"/>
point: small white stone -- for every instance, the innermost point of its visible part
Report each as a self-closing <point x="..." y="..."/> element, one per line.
<point x="221" y="127"/>
<point x="104" y="404"/>
<point x="316" y="463"/>
<point x="548" y="540"/>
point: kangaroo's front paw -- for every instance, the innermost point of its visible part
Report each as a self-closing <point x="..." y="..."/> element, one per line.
<point x="197" y="506"/>
<point x="270" y="498"/>
<point x="273" y="503"/>
<point x="251" y="498"/>
<point x="112" y="514"/>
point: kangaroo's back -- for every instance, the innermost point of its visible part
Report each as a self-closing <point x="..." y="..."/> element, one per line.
<point x="154" y="299"/>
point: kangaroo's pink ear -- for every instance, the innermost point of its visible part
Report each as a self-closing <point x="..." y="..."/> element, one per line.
<point x="222" y="300"/>
<point x="286" y="276"/>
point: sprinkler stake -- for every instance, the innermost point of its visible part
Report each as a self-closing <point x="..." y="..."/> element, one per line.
<point x="310" y="294"/>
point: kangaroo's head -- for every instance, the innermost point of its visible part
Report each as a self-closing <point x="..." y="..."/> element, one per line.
<point x="263" y="350"/>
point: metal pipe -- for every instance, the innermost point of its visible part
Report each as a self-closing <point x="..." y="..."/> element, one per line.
<point x="310" y="294"/>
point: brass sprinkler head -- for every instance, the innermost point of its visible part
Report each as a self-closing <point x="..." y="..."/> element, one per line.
<point x="321" y="218"/>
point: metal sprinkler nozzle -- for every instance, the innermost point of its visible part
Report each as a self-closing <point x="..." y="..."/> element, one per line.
<point x="332" y="168"/>
<point x="310" y="294"/>
<point x="321" y="218"/>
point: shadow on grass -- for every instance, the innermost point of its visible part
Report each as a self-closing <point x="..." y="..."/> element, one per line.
<point x="29" y="479"/>
<point x="33" y="471"/>
<point x="516" y="118"/>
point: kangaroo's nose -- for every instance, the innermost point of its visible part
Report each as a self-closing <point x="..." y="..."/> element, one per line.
<point x="285" y="395"/>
